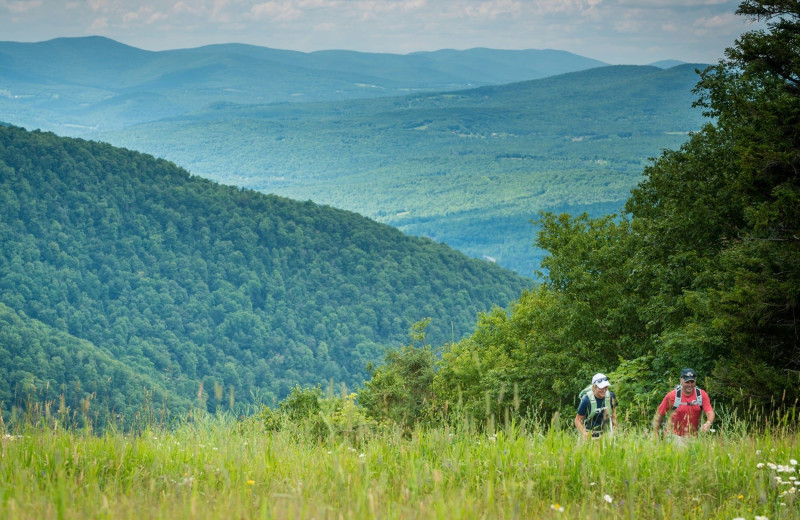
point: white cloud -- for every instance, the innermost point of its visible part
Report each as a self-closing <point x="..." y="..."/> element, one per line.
<point x="714" y="23"/>
<point x="98" y="25"/>
<point x="99" y="5"/>
<point x="494" y="9"/>
<point x="157" y="17"/>
<point x="20" y="6"/>
<point x="186" y="8"/>
<point x="278" y="11"/>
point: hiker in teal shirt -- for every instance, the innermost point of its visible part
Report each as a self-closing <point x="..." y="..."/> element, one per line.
<point x="597" y="411"/>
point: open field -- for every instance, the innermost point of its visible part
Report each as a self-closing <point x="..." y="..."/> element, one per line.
<point x="218" y="467"/>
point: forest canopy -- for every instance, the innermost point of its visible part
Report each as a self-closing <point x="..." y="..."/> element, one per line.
<point x="121" y="274"/>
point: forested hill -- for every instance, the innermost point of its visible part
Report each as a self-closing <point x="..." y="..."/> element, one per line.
<point x="120" y="272"/>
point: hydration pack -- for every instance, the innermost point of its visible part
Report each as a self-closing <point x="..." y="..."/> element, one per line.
<point x="698" y="398"/>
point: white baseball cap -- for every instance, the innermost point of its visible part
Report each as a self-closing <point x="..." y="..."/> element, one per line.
<point x="600" y="381"/>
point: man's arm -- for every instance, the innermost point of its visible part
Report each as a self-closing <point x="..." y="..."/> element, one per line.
<point x="710" y="416"/>
<point x="579" y="425"/>
<point x="665" y="405"/>
<point x="709" y="411"/>
<point x="657" y="418"/>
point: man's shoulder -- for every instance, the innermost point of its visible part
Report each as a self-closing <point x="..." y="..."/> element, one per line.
<point x="669" y="398"/>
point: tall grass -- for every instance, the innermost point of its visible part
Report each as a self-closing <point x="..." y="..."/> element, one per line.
<point x="216" y="467"/>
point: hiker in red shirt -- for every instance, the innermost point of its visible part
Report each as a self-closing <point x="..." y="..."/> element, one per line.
<point x="688" y="403"/>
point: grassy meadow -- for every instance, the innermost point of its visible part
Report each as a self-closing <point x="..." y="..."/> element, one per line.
<point x="218" y="467"/>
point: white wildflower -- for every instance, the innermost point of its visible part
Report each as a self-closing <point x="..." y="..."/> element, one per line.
<point x="608" y="498"/>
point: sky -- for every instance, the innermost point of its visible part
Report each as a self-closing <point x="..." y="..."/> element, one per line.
<point x="630" y="32"/>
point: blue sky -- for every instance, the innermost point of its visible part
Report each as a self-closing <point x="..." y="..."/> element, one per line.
<point x="613" y="31"/>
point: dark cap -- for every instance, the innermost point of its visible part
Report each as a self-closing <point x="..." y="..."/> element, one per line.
<point x="687" y="374"/>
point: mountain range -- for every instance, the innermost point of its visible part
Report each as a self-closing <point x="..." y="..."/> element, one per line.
<point x="98" y="83"/>
<point x="397" y="138"/>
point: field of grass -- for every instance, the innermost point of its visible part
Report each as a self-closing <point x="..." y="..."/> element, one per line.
<point x="221" y="468"/>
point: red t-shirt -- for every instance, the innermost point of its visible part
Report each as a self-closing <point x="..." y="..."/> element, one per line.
<point x="686" y="418"/>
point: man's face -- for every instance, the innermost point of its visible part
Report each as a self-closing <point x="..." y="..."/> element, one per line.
<point x="600" y="393"/>
<point x="687" y="385"/>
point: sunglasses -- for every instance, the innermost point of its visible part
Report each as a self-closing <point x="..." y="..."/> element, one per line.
<point x="600" y="380"/>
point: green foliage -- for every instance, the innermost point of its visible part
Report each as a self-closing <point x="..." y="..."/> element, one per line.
<point x="639" y="389"/>
<point x="309" y="412"/>
<point x="723" y="216"/>
<point x="192" y="285"/>
<point x="400" y="389"/>
<point x="515" y="363"/>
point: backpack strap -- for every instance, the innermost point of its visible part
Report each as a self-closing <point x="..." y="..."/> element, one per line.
<point x="592" y="405"/>
<point x="697" y="401"/>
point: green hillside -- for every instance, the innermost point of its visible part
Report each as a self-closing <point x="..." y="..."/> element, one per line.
<point x="468" y="168"/>
<point x="129" y="273"/>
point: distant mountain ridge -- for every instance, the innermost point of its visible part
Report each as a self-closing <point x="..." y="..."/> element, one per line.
<point x="66" y="82"/>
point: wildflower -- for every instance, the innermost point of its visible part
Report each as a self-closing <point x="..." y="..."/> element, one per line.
<point x="557" y="507"/>
<point x="592" y="483"/>
<point x="251" y="482"/>
<point x="740" y="497"/>
<point x="608" y="498"/>
<point x="762" y="517"/>
<point x="760" y="465"/>
<point x="758" y="452"/>
<point x="793" y="462"/>
<point x="361" y="455"/>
